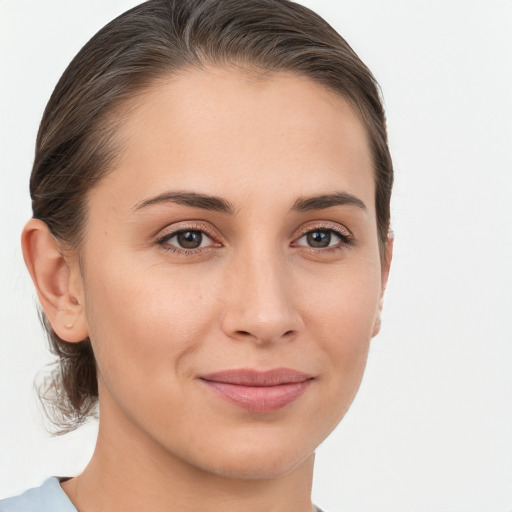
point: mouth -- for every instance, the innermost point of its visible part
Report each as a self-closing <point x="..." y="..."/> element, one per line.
<point x="258" y="391"/>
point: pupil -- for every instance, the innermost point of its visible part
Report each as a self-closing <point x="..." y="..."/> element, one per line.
<point x="319" y="238"/>
<point x="190" y="239"/>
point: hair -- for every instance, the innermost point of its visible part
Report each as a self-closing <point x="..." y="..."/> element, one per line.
<point x="76" y="144"/>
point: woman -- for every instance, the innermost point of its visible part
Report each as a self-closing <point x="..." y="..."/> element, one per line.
<point x="210" y="246"/>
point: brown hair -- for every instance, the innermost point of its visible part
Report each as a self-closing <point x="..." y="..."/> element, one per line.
<point x="76" y="143"/>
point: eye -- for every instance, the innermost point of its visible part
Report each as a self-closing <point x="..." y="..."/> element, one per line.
<point x="185" y="239"/>
<point x="322" y="239"/>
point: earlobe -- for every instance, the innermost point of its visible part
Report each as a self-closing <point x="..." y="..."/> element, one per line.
<point x="55" y="278"/>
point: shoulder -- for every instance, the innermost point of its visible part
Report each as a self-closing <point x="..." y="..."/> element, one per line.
<point x="48" y="497"/>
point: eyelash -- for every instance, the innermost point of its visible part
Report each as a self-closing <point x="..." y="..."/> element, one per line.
<point x="163" y="239"/>
<point x="346" y="240"/>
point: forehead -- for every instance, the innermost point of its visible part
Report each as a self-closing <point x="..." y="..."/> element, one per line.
<point x="220" y="130"/>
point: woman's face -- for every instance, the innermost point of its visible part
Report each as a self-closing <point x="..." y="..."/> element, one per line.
<point x="231" y="271"/>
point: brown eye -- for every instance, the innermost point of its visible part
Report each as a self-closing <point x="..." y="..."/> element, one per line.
<point x="189" y="239"/>
<point x="185" y="239"/>
<point x="323" y="238"/>
<point x="319" y="238"/>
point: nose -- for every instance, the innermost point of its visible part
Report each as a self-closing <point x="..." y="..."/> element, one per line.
<point x="260" y="303"/>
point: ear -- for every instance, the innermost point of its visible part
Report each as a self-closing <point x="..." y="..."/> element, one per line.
<point x="385" y="266"/>
<point x="57" y="280"/>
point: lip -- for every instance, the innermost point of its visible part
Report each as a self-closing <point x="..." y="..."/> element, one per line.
<point x="258" y="391"/>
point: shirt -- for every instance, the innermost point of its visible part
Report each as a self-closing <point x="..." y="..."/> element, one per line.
<point x="48" y="497"/>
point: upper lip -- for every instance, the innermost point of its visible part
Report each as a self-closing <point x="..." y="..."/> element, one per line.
<point x="257" y="378"/>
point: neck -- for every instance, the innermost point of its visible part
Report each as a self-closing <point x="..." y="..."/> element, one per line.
<point x="130" y="471"/>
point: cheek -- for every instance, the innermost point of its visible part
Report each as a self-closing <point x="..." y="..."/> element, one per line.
<point x="346" y="303"/>
<point x="142" y="321"/>
<point x="342" y="316"/>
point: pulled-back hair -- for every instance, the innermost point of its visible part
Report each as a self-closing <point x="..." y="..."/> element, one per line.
<point x="76" y="143"/>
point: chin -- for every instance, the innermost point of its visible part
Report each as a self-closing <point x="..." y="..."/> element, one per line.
<point x="258" y="469"/>
<point x="255" y="461"/>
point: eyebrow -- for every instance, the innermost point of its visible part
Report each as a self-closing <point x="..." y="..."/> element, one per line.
<point x="319" y="202"/>
<point x="193" y="199"/>
<point x="218" y="204"/>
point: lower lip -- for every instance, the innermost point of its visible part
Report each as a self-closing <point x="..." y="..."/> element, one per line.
<point x="259" y="398"/>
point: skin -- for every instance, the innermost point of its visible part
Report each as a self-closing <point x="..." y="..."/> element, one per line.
<point x="255" y="294"/>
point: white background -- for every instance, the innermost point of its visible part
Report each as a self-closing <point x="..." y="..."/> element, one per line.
<point x="431" y="428"/>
